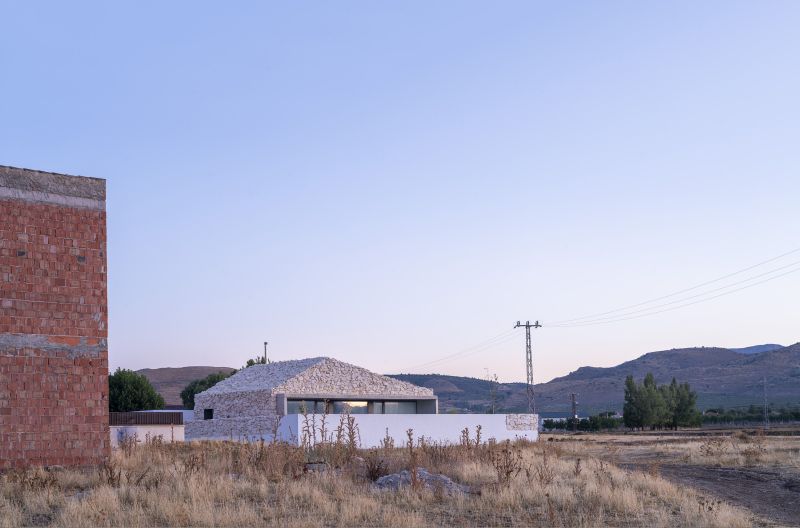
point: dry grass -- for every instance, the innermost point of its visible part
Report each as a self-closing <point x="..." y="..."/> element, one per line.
<point x="234" y="484"/>
<point x="737" y="449"/>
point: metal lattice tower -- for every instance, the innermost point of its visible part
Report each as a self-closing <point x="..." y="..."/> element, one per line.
<point x="529" y="362"/>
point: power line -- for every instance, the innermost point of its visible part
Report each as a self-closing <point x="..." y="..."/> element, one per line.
<point x="597" y="319"/>
<point x="679" y="306"/>
<point x="480" y="347"/>
<point x="590" y="316"/>
<point x="703" y="294"/>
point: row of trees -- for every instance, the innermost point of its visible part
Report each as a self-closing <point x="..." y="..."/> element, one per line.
<point x="659" y="407"/>
<point x="751" y="414"/>
<point x="600" y="422"/>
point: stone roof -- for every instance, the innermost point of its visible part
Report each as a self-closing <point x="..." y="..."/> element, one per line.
<point x="320" y="375"/>
<point x="263" y="377"/>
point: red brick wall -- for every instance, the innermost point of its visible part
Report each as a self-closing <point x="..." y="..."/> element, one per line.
<point x="53" y="330"/>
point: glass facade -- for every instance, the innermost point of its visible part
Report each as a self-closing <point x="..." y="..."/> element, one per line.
<point x="353" y="407"/>
<point x="307" y="406"/>
<point x="294" y="406"/>
<point x="400" y="407"/>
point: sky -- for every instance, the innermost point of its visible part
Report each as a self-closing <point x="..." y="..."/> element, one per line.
<point x="393" y="183"/>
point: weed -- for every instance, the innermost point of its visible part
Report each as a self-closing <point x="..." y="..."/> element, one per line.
<point x="110" y="474"/>
<point x="374" y="465"/>
<point x="507" y="462"/>
<point x="577" y="469"/>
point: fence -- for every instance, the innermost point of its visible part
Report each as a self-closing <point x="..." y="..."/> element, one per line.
<point x="145" y="418"/>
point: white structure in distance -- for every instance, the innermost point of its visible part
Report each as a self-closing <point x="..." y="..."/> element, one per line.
<point x="288" y="400"/>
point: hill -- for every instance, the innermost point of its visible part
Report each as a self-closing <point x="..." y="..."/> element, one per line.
<point x="757" y="349"/>
<point x="169" y="382"/>
<point x="721" y="377"/>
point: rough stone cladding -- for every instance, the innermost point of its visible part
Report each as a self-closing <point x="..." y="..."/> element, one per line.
<point x="261" y="377"/>
<point x="331" y="376"/>
<point x="522" y="422"/>
<point x="53" y="320"/>
<point x="245" y="404"/>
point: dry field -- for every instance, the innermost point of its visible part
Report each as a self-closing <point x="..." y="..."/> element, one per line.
<point x="551" y="483"/>
<point x="758" y="472"/>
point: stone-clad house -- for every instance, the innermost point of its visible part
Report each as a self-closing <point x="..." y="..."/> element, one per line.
<point x="249" y="404"/>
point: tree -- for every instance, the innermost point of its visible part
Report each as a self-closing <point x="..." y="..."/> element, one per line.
<point x="686" y="413"/>
<point x="130" y="391"/>
<point x="258" y="360"/>
<point x="650" y="405"/>
<point x="199" y="385"/>
<point x="654" y="408"/>
<point x="631" y="413"/>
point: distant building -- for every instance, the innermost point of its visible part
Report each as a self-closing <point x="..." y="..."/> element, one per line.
<point x="261" y="401"/>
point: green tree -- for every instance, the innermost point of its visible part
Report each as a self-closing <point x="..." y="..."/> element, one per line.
<point x="631" y="413"/>
<point x="654" y="408"/>
<point x="199" y="385"/>
<point x="686" y="413"/>
<point x="129" y="391"/>
<point x="650" y="405"/>
<point x="258" y="360"/>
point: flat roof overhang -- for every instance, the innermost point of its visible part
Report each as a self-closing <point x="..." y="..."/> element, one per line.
<point x="282" y="398"/>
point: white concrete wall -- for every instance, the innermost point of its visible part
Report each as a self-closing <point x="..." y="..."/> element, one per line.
<point x="169" y="433"/>
<point x="373" y="428"/>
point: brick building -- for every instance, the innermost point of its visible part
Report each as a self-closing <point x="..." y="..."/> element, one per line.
<point x="53" y="320"/>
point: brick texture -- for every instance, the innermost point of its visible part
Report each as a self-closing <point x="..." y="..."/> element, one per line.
<point x="53" y="334"/>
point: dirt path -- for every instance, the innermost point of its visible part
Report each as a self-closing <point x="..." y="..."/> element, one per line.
<point x="768" y="493"/>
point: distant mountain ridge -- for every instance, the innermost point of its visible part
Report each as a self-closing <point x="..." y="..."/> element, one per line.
<point x="720" y="376"/>
<point x="757" y="349"/>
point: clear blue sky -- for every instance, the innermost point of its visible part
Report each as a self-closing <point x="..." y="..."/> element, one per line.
<point x="388" y="183"/>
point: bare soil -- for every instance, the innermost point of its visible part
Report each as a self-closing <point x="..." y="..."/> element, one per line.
<point x="769" y="493"/>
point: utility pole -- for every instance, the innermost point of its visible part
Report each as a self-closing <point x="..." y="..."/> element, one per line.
<point x="529" y="362"/>
<point x="574" y="412"/>
<point x="766" y="413"/>
<point x="492" y="379"/>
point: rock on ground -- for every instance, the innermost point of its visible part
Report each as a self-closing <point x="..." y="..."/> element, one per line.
<point x="430" y="481"/>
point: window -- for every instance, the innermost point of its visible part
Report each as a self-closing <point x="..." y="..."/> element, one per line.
<point x="208" y="414"/>
<point x="400" y="407"/>
<point x="296" y="406"/>
<point x="353" y="407"/>
<point x="306" y="406"/>
<point x="350" y="406"/>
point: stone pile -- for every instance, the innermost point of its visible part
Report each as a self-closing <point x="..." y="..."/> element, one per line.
<point x="431" y="481"/>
